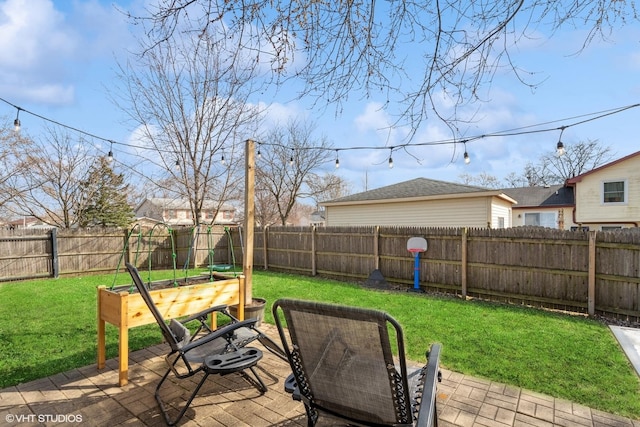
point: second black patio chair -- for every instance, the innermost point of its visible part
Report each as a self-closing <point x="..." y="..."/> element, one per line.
<point x="221" y="351"/>
<point x="343" y="366"/>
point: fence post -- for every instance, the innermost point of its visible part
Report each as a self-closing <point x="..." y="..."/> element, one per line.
<point x="463" y="263"/>
<point x="376" y="247"/>
<point x="54" y="253"/>
<point x="314" y="268"/>
<point x="265" y="246"/>
<point x="592" y="274"/>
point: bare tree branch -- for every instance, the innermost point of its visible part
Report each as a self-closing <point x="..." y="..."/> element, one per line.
<point x="189" y="101"/>
<point x="285" y="169"/>
<point x="413" y="53"/>
<point x="48" y="182"/>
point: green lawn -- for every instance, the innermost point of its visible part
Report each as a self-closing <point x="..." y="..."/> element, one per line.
<point x="49" y="326"/>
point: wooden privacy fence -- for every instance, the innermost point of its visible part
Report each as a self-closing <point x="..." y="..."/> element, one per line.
<point x="30" y="254"/>
<point x="583" y="272"/>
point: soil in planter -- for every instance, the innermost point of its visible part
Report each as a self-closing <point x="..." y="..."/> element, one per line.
<point x="170" y="283"/>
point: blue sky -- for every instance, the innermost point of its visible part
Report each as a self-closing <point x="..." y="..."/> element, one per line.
<point x="58" y="60"/>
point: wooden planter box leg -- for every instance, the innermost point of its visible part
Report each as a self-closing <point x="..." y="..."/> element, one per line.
<point x="113" y="308"/>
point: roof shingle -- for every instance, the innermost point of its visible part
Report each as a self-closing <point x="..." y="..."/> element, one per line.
<point x="418" y="187"/>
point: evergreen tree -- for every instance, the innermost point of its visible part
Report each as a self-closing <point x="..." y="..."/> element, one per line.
<point x="105" y="194"/>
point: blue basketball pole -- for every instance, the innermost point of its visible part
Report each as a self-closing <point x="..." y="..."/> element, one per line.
<point x="415" y="245"/>
<point x="416" y="271"/>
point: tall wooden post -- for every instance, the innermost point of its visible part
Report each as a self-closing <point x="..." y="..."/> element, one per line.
<point x="314" y="267"/>
<point x="249" y="220"/>
<point x="591" y="275"/>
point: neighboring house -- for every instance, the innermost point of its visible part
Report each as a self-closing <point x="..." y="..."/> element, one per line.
<point x="317" y="218"/>
<point x="27" y="222"/>
<point x="423" y="202"/>
<point x="549" y="206"/>
<point x="177" y="212"/>
<point x="608" y="197"/>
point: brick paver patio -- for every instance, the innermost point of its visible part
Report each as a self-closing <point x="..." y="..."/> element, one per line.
<point x="88" y="397"/>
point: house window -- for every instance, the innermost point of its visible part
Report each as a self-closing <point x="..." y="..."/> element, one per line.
<point x="540" y="219"/>
<point x="611" y="227"/>
<point x="614" y="192"/>
<point x="500" y="222"/>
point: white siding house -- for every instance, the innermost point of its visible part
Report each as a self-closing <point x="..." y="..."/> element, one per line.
<point x="178" y="212"/>
<point x="609" y="196"/>
<point x="422" y="202"/>
<point x="549" y="206"/>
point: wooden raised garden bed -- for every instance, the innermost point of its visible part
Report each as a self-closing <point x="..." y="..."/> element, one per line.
<point x="125" y="309"/>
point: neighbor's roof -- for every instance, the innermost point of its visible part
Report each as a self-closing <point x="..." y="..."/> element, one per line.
<point x="419" y="188"/>
<point x="579" y="178"/>
<point x="168" y="203"/>
<point x="554" y="195"/>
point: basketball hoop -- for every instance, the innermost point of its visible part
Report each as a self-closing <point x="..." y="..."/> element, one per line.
<point x="415" y="245"/>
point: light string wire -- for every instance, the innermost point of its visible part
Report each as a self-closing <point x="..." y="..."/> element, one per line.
<point x="111" y="142"/>
<point x="526" y="130"/>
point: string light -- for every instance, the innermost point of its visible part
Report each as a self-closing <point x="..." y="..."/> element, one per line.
<point x="177" y="164"/>
<point x="291" y="159"/>
<point x="532" y="129"/>
<point x="560" y="146"/>
<point x="110" y="155"/>
<point x="467" y="159"/>
<point x="16" y="122"/>
<point x="222" y="161"/>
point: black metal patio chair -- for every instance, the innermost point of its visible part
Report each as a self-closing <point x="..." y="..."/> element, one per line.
<point x="343" y="366"/>
<point x="221" y="351"/>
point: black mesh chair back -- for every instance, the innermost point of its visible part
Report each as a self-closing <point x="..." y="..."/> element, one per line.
<point x="343" y="362"/>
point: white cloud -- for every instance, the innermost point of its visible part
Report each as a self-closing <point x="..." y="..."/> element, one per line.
<point x="372" y="118"/>
<point x="279" y="114"/>
<point x="30" y="31"/>
<point x="44" y="45"/>
<point x="33" y="41"/>
<point x="61" y="93"/>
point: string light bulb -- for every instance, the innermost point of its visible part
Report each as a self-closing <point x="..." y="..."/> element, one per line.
<point x="222" y="160"/>
<point x="560" y="146"/>
<point x="110" y="155"/>
<point x="177" y="164"/>
<point x="391" y="158"/>
<point x="16" y="122"/>
<point x="291" y="159"/>
<point x="337" y="160"/>
<point x="467" y="159"/>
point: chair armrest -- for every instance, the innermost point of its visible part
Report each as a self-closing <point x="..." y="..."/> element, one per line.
<point x="219" y="333"/>
<point x="427" y="413"/>
<point x="204" y="313"/>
